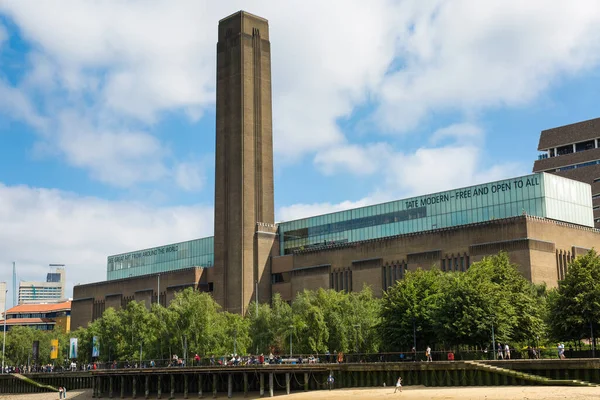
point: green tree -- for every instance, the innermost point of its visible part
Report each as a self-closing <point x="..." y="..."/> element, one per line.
<point x="262" y="329"/>
<point x="109" y="333"/>
<point x="19" y="345"/>
<point x="467" y="308"/>
<point x="574" y="308"/>
<point x="136" y="333"/>
<point x="408" y="306"/>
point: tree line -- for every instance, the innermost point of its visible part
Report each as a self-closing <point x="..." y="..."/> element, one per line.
<point x="444" y="310"/>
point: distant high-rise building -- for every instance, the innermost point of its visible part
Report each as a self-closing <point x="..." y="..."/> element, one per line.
<point x="3" y="297"/>
<point x="573" y="151"/>
<point x="51" y="291"/>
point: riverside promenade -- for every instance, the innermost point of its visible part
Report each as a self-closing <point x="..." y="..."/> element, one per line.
<point x="268" y="379"/>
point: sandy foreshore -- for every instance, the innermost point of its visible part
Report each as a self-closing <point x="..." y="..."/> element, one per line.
<point x="413" y="392"/>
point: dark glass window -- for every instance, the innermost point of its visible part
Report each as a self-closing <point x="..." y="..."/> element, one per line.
<point x="276" y="278"/>
<point x="551" y="152"/>
<point x="588" y="145"/>
<point x="568" y="149"/>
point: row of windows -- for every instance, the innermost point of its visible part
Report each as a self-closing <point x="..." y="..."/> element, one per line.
<point x="392" y="273"/>
<point x="204" y="260"/>
<point x="530" y="207"/>
<point x="497" y="193"/>
<point x="585" y="164"/>
<point x="568" y="149"/>
<point x="127" y="270"/>
<point x="197" y="251"/>
<point x="36" y="315"/>
<point x="387" y="218"/>
<point x="458" y="263"/>
<point x="341" y="280"/>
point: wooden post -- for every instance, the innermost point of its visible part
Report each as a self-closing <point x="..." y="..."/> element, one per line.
<point x="245" y="384"/>
<point x="134" y="387"/>
<point x="147" y="387"/>
<point x="158" y="386"/>
<point x="229" y="385"/>
<point x="94" y="387"/>
<point x="122" y="386"/>
<point x="172" y="387"/>
<point x="99" y="387"/>
<point x="262" y="384"/>
<point x="270" y="384"/>
<point x="214" y="386"/>
<point x="306" y="381"/>
<point x="185" y="386"/>
<point x="287" y="382"/>
<point x="200" y="395"/>
<point x="110" y="387"/>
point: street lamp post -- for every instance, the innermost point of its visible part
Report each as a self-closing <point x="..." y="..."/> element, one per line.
<point x="4" y="340"/>
<point x="414" y="334"/>
<point x="494" y="342"/>
<point x="158" y="292"/>
<point x="593" y="341"/>
<point x="291" y="330"/>
<point x="356" y="327"/>
<point x="235" y="342"/>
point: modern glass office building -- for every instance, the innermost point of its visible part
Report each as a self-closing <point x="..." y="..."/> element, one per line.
<point x="541" y="194"/>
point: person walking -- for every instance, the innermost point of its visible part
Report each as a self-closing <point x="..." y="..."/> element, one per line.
<point x="398" y="385"/>
<point x="330" y="381"/>
<point x="506" y="351"/>
<point x="561" y="351"/>
<point x="428" y="354"/>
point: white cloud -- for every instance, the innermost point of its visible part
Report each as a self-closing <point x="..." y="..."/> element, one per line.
<point x="16" y="103"/>
<point x="42" y="226"/>
<point x="356" y="159"/>
<point x="465" y="55"/>
<point x="132" y="62"/>
<point x="190" y="176"/>
<point x="120" y="158"/>
<point x="435" y="169"/>
<point x="428" y="170"/>
<point x="463" y="132"/>
<point x="460" y="162"/>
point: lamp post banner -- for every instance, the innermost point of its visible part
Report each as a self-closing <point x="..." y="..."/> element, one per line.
<point x="36" y="349"/>
<point x="73" y="348"/>
<point x="54" y="349"/>
<point x="95" y="347"/>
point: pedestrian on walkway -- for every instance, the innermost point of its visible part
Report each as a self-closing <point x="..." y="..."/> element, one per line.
<point x="398" y="385"/>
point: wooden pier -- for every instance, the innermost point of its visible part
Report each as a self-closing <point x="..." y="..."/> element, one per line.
<point x="198" y="382"/>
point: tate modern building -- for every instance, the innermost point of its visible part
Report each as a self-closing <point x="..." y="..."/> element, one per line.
<point x="542" y="221"/>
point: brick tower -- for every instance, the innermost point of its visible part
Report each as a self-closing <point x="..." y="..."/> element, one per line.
<point x="244" y="211"/>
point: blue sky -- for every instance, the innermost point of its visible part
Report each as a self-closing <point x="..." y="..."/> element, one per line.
<point x="107" y="111"/>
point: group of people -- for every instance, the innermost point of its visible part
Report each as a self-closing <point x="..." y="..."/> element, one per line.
<point x="503" y="351"/>
<point x="62" y="392"/>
